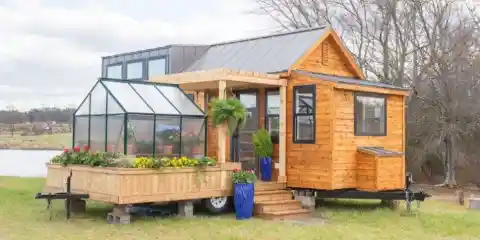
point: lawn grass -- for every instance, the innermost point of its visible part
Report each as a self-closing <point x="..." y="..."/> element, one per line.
<point x="22" y="217"/>
<point x="44" y="141"/>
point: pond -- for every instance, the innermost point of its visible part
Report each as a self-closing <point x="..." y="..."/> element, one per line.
<point x="25" y="163"/>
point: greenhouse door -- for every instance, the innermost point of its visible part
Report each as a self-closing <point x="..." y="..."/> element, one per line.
<point x="242" y="149"/>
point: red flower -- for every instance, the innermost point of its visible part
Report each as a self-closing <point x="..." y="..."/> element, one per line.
<point x="66" y="150"/>
<point x="76" y="149"/>
<point x="236" y="170"/>
<point x="250" y="171"/>
<point x="85" y="148"/>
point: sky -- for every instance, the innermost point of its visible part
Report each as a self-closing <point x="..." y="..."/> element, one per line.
<point x="50" y="50"/>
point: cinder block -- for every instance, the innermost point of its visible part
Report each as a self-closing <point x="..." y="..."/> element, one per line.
<point x="185" y="209"/>
<point x="112" y="218"/>
<point x="306" y="199"/>
<point x="474" y="203"/>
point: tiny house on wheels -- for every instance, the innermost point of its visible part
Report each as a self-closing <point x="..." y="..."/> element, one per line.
<point x="335" y="133"/>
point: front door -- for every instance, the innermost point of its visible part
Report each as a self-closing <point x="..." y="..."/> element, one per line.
<point x="242" y="149"/>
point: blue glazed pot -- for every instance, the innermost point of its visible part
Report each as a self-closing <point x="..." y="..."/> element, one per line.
<point x="266" y="168"/>
<point x="243" y="200"/>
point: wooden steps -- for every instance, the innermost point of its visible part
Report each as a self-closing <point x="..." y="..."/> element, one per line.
<point x="274" y="202"/>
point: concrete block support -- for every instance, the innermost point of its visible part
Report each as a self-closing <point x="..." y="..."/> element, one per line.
<point x="185" y="208"/>
<point x="306" y="198"/>
<point x="119" y="215"/>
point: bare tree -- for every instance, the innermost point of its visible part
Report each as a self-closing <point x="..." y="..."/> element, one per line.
<point x="431" y="46"/>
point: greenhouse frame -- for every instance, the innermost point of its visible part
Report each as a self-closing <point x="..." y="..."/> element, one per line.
<point x="140" y="118"/>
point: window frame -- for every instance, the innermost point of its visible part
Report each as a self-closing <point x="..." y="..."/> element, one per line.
<point x="275" y="140"/>
<point x="356" y="131"/>
<point x="295" y="114"/>
<point x="147" y="66"/>
<point x="142" y="61"/>
<point x="114" y="65"/>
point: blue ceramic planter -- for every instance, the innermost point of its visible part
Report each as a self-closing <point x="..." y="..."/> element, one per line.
<point x="266" y="168"/>
<point x="243" y="200"/>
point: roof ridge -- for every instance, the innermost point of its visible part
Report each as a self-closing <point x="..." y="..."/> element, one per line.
<point x="269" y="35"/>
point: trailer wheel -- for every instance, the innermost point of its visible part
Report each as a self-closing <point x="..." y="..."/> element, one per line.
<point x="392" y="204"/>
<point x="217" y="205"/>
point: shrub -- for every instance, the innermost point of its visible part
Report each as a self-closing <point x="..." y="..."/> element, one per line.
<point x="262" y="142"/>
<point x="243" y="176"/>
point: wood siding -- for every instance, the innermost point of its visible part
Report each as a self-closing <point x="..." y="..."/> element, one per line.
<point x="328" y="58"/>
<point x="345" y="143"/>
<point x="377" y="173"/>
<point x="133" y="185"/>
<point x="310" y="165"/>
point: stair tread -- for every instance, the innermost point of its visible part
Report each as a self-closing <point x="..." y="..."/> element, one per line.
<point x="267" y="192"/>
<point x="274" y="202"/>
<point x="287" y="212"/>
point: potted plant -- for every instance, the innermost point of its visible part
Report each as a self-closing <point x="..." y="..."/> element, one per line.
<point x="243" y="192"/>
<point x="262" y="142"/>
<point x="229" y="111"/>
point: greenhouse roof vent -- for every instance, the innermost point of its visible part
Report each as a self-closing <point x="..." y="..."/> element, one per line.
<point x="113" y="96"/>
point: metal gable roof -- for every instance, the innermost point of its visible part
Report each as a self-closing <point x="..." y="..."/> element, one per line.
<point x="268" y="54"/>
<point x="349" y="80"/>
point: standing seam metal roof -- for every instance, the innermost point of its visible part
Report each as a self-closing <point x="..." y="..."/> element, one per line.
<point x="350" y="80"/>
<point x="267" y="54"/>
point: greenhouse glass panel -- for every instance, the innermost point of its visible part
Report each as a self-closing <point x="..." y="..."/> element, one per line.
<point x="97" y="133"/>
<point x="84" y="108"/>
<point x="155" y="99"/>
<point x="193" y="137"/>
<point x="80" y="132"/>
<point x="98" y="97"/>
<point x="127" y="97"/>
<point x="142" y="134"/>
<point x="113" y="107"/>
<point x="167" y="136"/>
<point x="180" y="100"/>
<point x="115" y="133"/>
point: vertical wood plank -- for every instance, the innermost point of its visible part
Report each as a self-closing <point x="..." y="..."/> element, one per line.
<point x="282" y="135"/>
<point x="222" y="130"/>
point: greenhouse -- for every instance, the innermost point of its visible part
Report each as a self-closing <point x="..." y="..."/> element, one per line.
<point x="140" y="118"/>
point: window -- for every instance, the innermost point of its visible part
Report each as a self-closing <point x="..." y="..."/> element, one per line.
<point x="304" y="114"/>
<point x="370" y="114"/>
<point x="191" y="96"/>
<point x="156" y="67"/>
<point x="135" y="70"/>
<point x="114" y="71"/>
<point x="272" y="113"/>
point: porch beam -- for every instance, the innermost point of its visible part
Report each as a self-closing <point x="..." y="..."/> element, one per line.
<point x="222" y="129"/>
<point x="282" y="151"/>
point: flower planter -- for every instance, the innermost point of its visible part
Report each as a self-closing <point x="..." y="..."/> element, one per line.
<point x="135" y="185"/>
<point x="266" y="168"/>
<point x="243" y="200"/>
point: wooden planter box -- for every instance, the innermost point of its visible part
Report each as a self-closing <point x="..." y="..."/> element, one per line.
<point x="133" y="185"/>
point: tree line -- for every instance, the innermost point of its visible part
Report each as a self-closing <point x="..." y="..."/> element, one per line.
<point x="429" y="46"/>
<point x="11" y="115"/>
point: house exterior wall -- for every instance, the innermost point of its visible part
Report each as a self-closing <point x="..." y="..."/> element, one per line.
<point x="177" y="58"/>
<point x="327" y="58"/>
<point x="310" y="165"/>
<point x="345" y="143"/>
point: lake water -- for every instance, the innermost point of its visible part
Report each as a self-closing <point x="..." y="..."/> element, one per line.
<point x="25" y="163"/>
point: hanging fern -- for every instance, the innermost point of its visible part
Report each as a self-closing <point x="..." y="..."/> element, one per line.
<point x="230" y="111"/>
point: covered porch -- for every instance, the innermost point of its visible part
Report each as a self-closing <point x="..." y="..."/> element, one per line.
<point x="221" y="83"/>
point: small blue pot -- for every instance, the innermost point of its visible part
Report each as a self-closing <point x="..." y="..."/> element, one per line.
<point x="266" y="169"/>
<point x="243" y="200"/>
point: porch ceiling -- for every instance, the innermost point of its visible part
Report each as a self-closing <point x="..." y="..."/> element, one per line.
<point x="202" y="80"/>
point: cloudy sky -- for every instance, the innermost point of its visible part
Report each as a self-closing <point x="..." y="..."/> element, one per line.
<point x="50" y="50"/>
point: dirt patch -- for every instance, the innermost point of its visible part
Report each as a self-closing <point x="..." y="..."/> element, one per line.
<point x="445" y="193"/>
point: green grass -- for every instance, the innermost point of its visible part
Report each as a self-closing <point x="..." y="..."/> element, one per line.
<point x="22" y="217"/>
<point x="45" y="141"/>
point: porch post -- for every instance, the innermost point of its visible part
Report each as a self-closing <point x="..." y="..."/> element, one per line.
<point x="222" y="133"/>
<point x="282" y="150"/>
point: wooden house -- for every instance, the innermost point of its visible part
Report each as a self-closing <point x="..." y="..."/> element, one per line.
<point x="332" y="128"/>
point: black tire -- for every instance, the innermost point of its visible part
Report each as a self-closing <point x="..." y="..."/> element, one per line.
<point x="217" y="205"/>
